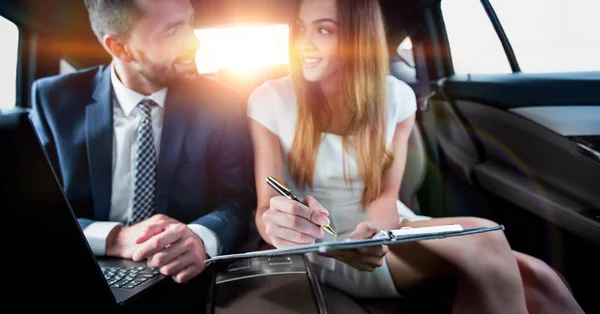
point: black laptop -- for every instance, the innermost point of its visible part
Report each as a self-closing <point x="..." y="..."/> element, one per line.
<point x="47" y="261"/>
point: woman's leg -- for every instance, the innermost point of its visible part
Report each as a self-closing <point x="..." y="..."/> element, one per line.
<point x="485" y="269"/>
<point x="545" y="291"/>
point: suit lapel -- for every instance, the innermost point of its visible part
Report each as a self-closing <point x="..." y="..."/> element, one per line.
<point x="99" y="139"/>
<point x="173" y="132"/>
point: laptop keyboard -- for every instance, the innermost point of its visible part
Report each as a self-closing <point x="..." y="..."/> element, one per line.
<point x="128" y="277"/>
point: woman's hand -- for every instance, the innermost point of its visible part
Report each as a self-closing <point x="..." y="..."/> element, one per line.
<point x="363" y="259"/>
<point x="289" y="223"/>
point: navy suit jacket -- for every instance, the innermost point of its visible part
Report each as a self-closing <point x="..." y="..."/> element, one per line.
<point x="204" y="170"/>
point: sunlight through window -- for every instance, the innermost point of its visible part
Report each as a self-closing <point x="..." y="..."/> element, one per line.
<point x="242" y="49"/>
<point x="8" y="63"/>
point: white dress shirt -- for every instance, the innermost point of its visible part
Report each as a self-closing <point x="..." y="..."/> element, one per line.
<point x="126" y="120"/>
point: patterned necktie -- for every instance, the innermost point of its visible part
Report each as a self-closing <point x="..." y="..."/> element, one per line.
<point x="145" y="166"/>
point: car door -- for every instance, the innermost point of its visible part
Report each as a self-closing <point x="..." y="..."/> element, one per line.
<point x="511" y="113"/>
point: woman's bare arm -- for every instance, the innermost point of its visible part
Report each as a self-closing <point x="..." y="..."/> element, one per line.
<point x="382" y="212"/>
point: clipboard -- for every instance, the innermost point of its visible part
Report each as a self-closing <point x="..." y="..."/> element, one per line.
<point x="384" y="237"/>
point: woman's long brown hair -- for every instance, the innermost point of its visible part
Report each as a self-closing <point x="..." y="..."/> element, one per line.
<point x="363" y="47"/>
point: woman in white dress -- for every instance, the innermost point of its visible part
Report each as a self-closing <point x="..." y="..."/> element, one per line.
<point x="336" y="131"/>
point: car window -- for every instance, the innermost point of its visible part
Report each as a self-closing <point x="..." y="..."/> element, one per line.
<point x="241" y="49"/>
<point x="405" y="51"/>
<point x="552" y="35"/>
<point x="64" y="67"/>
<point x="9" y="56"/>
<point x="474" y="44"/>
<point x="402" y="65"/>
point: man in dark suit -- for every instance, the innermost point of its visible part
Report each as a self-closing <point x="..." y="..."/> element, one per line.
<point x="153" y="158"/>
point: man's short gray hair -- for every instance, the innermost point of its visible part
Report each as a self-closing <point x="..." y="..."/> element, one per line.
<point x="112" y="16"/>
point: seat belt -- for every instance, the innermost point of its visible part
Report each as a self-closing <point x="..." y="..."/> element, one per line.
<point x="423" y="102"/>
<point x="434" y="204"/>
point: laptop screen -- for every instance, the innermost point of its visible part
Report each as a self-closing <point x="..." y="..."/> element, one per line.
<point x="48" y="260"/>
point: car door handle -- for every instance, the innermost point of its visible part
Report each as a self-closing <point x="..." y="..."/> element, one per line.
<point x="590" y="152"/>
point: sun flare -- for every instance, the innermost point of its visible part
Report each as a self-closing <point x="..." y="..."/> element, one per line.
<point x="241" y="49"/>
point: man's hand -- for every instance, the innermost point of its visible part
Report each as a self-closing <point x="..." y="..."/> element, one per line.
<point x="173" y="248"/>
<point x="363" y="259"/>
<point x="121" y="241"/>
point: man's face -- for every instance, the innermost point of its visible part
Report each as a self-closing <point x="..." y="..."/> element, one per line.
<point x="162" y="41"/>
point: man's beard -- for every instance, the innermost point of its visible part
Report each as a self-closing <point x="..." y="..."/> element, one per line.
<point x="161" y="75"/>
<point x="157" y="75"/>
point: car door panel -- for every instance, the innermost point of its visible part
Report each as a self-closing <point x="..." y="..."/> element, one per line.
<point x="528" y="143"/>
<point x="589" y="147"/>
<point x="533" y="151"/>
<point x="540" y="199"/>
<point x="566" y="121"/>
<point x="514" y="90"/>
<point x="539" y="166"/>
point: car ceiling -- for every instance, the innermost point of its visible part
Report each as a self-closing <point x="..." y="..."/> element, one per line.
<point x="62" y="26"/>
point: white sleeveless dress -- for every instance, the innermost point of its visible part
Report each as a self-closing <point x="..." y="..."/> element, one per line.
<point x="273" y="105"/>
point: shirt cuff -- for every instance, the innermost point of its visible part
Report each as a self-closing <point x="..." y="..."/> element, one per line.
<point x="212" y="247"/>
<point x="96" y="234"/>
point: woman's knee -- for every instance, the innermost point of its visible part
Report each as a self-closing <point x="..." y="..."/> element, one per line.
<point x="475" y="254"/>
<point x="536" y="273"/>
<point x="478" y="247"/>
<point x="489" y="252"/>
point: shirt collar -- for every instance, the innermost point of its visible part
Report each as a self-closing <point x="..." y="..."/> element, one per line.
<point x="129" y="99"/>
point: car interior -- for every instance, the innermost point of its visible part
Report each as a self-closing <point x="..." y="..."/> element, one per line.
<point x="518" y="145"/>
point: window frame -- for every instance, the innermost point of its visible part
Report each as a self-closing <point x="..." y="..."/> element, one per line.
<point x="508" y="50"/>
<point x="498" y="28"/>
